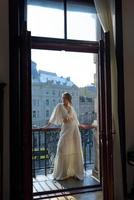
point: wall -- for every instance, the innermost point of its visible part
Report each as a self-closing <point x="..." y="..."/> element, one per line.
<point x="128" y="34"/>
<point x="4" y="76"/>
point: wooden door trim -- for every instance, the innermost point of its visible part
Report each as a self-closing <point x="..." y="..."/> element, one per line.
<point x="2" y="86"/>
<point x="25" y="102"/>
<point x="62" y="44"/>
<point x="108" y="104"/>
<point x="102" y="120"/>
<point x="105" y="118"/>
<point x="121" y="99"/>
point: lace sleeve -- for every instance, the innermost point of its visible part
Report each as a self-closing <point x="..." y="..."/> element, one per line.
<point x="56" y="116"/>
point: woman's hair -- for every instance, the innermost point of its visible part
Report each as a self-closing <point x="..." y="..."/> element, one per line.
<point x="68" y="97"/>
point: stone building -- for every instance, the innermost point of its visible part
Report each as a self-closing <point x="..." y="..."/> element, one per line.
<point x="87" y="104"/>
<point x="47" y="89"/>
<point x="86" y="108"/>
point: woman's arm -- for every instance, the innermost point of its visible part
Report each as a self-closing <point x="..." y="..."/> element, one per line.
<point x="87" y="126"/>
<point x="46" y="126"/>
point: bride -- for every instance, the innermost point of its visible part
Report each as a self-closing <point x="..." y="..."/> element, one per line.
<point x="69" y="155"/>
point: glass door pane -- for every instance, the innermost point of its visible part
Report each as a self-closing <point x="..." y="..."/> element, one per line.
<point x="46" y="18"/>
<point x="81" y="21"/>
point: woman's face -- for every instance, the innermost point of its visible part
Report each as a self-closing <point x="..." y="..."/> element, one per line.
<point x="65" y="100"/>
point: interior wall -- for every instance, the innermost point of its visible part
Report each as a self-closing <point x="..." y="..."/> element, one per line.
<point x="128" y="38"/>
<point x="4" y="77"/>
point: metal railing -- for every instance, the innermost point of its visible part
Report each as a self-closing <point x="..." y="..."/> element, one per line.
<point x="44" y="145"/>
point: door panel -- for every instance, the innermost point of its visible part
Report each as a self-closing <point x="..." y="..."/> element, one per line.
<point x="102" y="119"/>
<point x="25" y="80"/>
<point x="109" y="116"/>
<point x="106" y="142"/>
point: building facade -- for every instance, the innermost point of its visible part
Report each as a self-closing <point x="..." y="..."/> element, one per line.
<point x="47" y="89"/>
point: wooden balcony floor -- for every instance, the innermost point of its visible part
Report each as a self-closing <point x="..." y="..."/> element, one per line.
<point x="89" y="195"/>
<point x="46" y="183"/>
<point x="84" y="196"/>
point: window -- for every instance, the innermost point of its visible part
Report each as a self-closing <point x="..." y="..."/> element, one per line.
<point x="46" y="18"/>
<point x="34" y="102"/>
<point x="70" y="19"/>
<point x="47" y="113"/>
<point x="81" y="21"/>
<point x="38" y="114"/>
<point x="54" y="102"/>
<point x="47" y="102"/>
<point x="34" y="113"/>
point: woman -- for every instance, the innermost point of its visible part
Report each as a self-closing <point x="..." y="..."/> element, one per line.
<point x="69" y="155"/>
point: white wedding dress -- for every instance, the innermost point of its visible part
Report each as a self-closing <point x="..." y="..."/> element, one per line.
<point x="69" y="156"/>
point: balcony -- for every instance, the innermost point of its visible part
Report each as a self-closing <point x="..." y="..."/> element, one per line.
<point x="44" y="145"/>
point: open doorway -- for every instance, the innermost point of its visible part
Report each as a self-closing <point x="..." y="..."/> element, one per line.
<point x="53" y="73"/>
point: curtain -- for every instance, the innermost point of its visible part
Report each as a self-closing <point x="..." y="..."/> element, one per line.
<point x="104" y="13"/>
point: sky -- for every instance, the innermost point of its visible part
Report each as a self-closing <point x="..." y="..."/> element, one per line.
<point x="79" y="67"/>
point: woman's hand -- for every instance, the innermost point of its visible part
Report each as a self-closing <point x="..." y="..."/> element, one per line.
<point x="84" y="126"/>
<point x="87" y="126"/>
<point x="46" y="126"/>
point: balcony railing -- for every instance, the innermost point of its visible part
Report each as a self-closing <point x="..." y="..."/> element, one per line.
<point x="44" y="145"/>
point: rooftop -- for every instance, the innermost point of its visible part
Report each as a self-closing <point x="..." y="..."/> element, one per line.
<point x="45" y="76"/>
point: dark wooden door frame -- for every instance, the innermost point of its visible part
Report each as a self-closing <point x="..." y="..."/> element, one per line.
<point x="108" y="113"/>
<point x="16" y="151"/>
<point x="73" y="46"/>
<point x="2" y="86"/>
<point x="15" y="132"/>
<point x="105" y="117"/>
<point x="121" y="99"/>
<point x="25" y="102"/>
<point x="102" y="124"/>
<point x="20" y="176"/>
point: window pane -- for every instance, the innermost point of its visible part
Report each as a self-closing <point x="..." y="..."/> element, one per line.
<point x="54" y="72"/>
<point x="81" y="21"/>
<point x="46" y="18"/>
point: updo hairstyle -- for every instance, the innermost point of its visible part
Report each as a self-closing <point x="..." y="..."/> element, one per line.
<point x="68" y="97"/>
